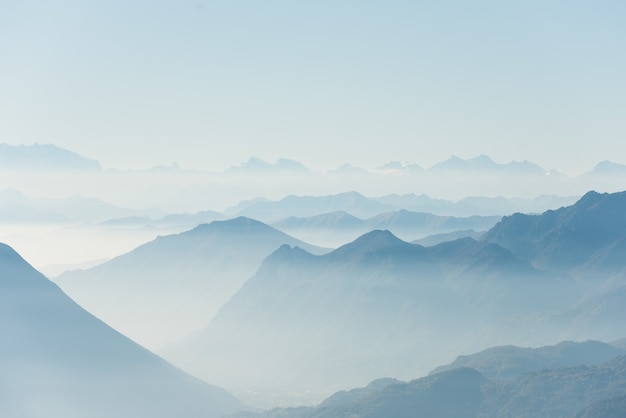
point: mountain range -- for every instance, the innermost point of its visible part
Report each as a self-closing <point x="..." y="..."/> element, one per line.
<point x="170" y="287"/>
<point x="385" y="303"/>
<point x="336" y="228"/>
<point x="364" y="207"/>
<point x="58" y="360"/>
<point x="43" y="157"/>
<point x="16" y="207"/>
<point x="567" y="380"/>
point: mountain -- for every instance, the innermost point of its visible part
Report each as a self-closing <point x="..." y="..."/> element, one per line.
<point x="350" y="170"/>
<point x="589" y="235"/>
<point x="43" y="157"/>
<point x="484" y="164"/>
<point x="58" y="360"/>
<point x="448" y="236"/>
<point x="607" y="168"/>
<point x="328" y="229"/>
<point x="563" y="392"/>
<point x="336" y="228"/>
<point x="301" y="206"/>
<point x="337" y="319"/>
<point x="363" y="207"/>
<point x="509" y="361"/>
<point x="597" y="315"/>
<point x="257" y="166"/>
<point x="377" y="306"/>
<point x="457" y="393"/>
<point x="606" y="408"/>
<point x="172" y="286"/>
<point x="411" y="225"/>
<point x="399" y="168"/>
<point x="15" y="207"/>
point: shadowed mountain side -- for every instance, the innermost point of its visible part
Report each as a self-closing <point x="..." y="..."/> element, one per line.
<point x="510" y="361"/>
<point x="593" y="229"/>
<point x="58" y="360"/>
<point x="363" y="310"/>
<point x="170" y="287"/>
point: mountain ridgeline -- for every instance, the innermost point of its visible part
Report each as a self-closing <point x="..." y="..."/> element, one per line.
<point x="381" y="306"/>
<point x="278" y="320"/>
<point x="58" y="360"/>
<point x="586" y="379"/>
<point x="172" y="286"/>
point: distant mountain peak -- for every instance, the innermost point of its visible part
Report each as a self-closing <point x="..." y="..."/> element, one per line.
<point x="373" y="241"/>
<point x="43" y="157"/>
<point x="257" y="165"/>
<point x="608" y="168"/>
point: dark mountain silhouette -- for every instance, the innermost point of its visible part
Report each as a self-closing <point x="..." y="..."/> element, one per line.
<point x="164" y="290"/>
<point x="58" y="360"/>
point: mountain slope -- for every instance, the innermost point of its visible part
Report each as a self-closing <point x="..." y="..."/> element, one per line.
<point x="563" y="239"/>
<point x="170" y="287"/>
<point x="337" y="319"/>
<point x="58" y="360"/>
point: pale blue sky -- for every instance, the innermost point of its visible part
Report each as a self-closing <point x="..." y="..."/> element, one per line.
<point x="210" y="83"/>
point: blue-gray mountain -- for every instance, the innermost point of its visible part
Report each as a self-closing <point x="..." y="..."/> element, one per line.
<point x="365" y="207"/>
<point x="377" y="306"/>
<point x="568" y="387"/>
<point x="170" y="287"/>
<point x="43" y="157"/>
<point x="57" y="360"/>
<point x="510" y="361"/>
<point x="337" y="228"/>
<point x="583" y="239"/>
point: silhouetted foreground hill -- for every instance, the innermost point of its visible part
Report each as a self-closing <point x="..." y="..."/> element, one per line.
<point x="57" y="360"/>
<point x="464" y="392"/>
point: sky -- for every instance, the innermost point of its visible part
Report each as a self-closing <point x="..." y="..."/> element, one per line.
<point x="209" y="84"/>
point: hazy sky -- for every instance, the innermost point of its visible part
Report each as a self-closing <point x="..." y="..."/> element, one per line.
<point x="210" y="83"/>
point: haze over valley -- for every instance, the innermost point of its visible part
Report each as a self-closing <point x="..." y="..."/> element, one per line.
<point x="312" y="209"/>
